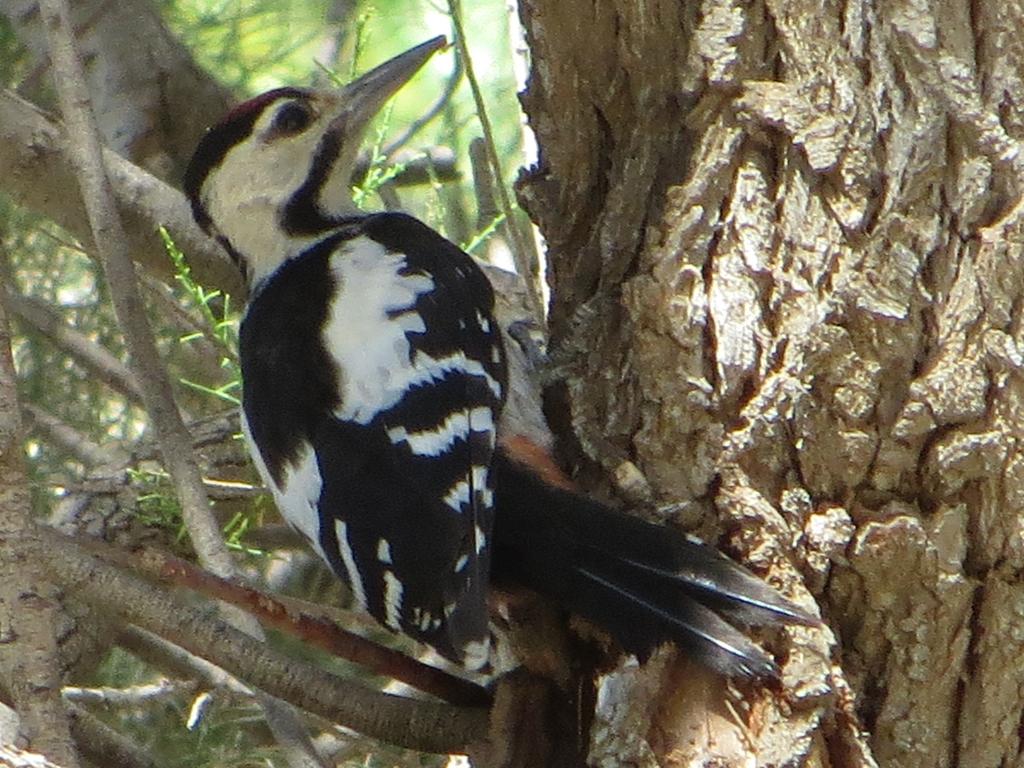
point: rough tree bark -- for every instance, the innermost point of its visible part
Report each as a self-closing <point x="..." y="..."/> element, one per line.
<point x="785" y="248"/>
<point x="30" y="612"/>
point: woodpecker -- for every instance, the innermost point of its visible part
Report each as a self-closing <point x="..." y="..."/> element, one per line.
<point x="374" y="377"/>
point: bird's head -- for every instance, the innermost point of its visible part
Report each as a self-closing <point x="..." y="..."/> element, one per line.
<point x="275" y="172"/>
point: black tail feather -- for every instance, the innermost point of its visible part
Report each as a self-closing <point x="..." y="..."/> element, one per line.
<point x="644" y="584"/>
<point x="718" y="644"/>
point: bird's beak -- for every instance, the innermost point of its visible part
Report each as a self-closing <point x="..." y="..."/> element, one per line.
<point x="364" y="97"/>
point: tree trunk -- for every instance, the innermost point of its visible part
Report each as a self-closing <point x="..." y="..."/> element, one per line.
<point x="785" y="251"/>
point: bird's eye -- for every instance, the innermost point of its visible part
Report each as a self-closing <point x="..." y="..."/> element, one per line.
<point x="292" y="118"/>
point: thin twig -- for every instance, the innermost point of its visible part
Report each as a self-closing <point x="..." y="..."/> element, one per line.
<point x="520" y="251"/>
<point x="93" y="357"/>
<point x="170" y="658"/>
<point x="210" y="347"/>
<point x="112" y="246"/>
<point x="452" y="84"/>
<point x="65" y="437"/>
<point x="271" y="536"/>
<point x="422" y="166"/>
<point x="132" y="696"/>
<point x="338" y="18"/>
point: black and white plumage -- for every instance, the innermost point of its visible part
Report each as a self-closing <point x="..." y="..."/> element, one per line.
<point x="374" y="378"/>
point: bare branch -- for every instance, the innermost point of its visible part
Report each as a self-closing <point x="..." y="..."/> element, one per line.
<point x="84" y="350"/>
<point x="422" y="725"/>
<point x="29" y="664"/>
<point x="36" y="164"/>
<point x="67" y="438"/>
<point x="487" y="209"/>
<point x="175" y="442"/>
<point x="152" y="101"/>
<point x="314" y="630"/>
<point x="168" y="657"/>
<point x="12" y="757"/>
<point x="102" y="744"/>
<point x="37" y="171"/>
<point x="132" y="696"/>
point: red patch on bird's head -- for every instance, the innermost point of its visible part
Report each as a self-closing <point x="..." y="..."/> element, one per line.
<point x="233" y="128"/>
<point x="254" y="107"/>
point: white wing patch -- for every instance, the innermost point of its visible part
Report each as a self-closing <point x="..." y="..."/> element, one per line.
<point x="458" y="495"/>
<point x="479" y="475"/>
<point x="389" y="386"/>
<point x="425" y="620"/>
<point x="370" y="314"/>
<point x="437" y="441"/>
<point x="392" y="600"/>
<point x="299" y="492"/>
<point x="433" y="442"/>
<point x="481" y="419"/>
<point x="355" y="581"/>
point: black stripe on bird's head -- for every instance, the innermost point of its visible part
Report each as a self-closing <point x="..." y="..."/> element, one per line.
<point x="275" y="172"/>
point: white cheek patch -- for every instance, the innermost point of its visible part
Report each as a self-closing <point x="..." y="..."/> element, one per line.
<point x="245" y="195"/>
